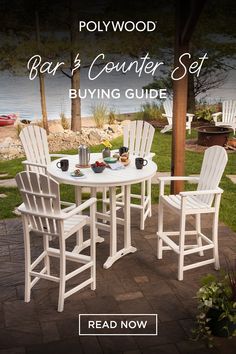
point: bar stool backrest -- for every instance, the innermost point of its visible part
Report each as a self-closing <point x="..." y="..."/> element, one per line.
<point x="41" y="198"/>
<point x="138" y="137"/>
<point x="213" y="165"/>
<point x="35" y="144"/>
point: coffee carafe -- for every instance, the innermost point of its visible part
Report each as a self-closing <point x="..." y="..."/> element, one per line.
<point x="84" y="155"/>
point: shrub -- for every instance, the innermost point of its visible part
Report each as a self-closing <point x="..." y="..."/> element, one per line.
<point x="64" y="121"/>
<point x="217" y="306"/>
<point x="39" y="123"/>
<point x="149" y="111"/>
<point x="18" y="127"/>
<point x="99" y="113"/>
<point x="205" y="112"/>
<point x="112" y="117"/>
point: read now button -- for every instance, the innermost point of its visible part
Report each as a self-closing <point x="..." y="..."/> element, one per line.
<point x="118" y="325"/>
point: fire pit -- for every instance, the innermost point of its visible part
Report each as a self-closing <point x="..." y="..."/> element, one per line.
<point x="209" y="136"/>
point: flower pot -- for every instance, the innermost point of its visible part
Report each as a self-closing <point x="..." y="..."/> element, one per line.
<point x="220" y="328"/>
<point x="106" y="152"/>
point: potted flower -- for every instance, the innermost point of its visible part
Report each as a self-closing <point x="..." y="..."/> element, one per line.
<point x="106" y="152"/>
<point x="217" y="307"/>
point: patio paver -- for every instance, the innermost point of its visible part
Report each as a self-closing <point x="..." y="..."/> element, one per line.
<point x="232" y="178"/>
<point x="138" y="283"/>
<point x="8" y="182"/>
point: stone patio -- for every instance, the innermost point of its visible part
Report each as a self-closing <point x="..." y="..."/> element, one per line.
<point x="138" y="283"/>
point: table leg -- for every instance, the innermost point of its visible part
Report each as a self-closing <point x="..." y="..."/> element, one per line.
<point x="113" y="233"/>
<point x="78" y="201"/>
<point x="127" y="227"/>
<point x="149" y="194"/>
<point x="80" y="243"/>
<point x="113" y="228"/>
<point x="114" y="255"/>
<point x="94" y="195"/>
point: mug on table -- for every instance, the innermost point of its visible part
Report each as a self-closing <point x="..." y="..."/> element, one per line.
<point x="63" y="164"/>
<point x="140" y="162"/>
<point x="123" y="149"/>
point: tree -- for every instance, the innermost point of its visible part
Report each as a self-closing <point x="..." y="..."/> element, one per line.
<point x="214" y="35"/>
<point x="41" y="80"/>
<point x="187" y="16"/>
<point x="59" y="19"/>
<point x="60" y="37"/>
<point x="72" y="21"/>
<point x="212" y="76"/>
<point x="113" y="43"/>
<point x="22" y="35"/>
<point x="75" y="76"/>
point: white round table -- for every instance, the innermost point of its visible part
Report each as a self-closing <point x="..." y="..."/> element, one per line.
<point x="110" y="179"/>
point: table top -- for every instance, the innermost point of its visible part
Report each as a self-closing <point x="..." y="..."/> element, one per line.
<point x="108" y="178"/>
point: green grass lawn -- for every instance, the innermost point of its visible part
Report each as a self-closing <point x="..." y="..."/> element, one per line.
<point x="162" y="147"/>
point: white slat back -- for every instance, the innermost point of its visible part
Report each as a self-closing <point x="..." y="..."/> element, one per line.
<point x="144" y="139"/>
<point x="132" y="133"/>
<point x="53" y="205"/>
<point x="34" y="141"/>
<point x="150" y="137"/>
<point x="228" y="111"/>
<point x="24" y="183"/>
<point x="168" y="107"/>
<point x="213" y="166"/>
<point x="126" y="135"/>
<point x="40" y="195"/>
<point x="138" y="137"/>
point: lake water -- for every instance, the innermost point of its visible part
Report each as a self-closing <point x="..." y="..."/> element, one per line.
<point x="20" y="95"/>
